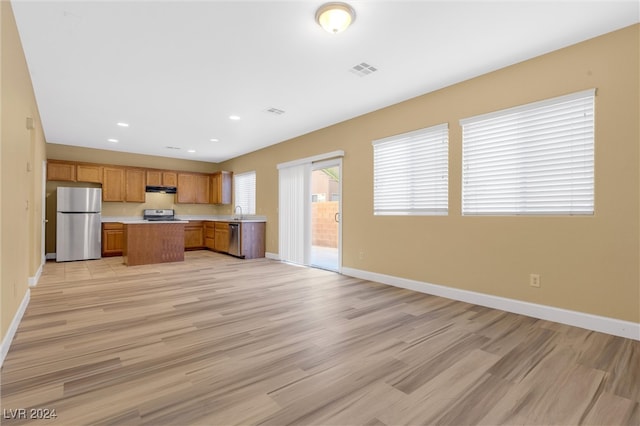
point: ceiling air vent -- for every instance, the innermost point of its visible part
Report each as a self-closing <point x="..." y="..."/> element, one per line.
<point x="363" y="69"/>
<point x="275" y="111"/>
<point x="172" y="147"/>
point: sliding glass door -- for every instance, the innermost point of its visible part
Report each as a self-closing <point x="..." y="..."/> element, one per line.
<point x="310" y="203"/>
<point x="325" y="207"/>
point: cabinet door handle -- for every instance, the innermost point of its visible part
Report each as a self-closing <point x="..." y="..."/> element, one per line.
<point x="337" y="217"/>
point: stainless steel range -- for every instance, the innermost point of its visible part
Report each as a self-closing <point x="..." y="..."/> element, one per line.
<point x="153" y="215"/>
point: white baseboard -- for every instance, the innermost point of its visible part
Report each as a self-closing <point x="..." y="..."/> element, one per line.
<point x="616" y="327"/>
<point x="33" y="281"/>
<point x="273" y="256"/>
<point x="13" y="327"/>
<point x="51" y="256"/>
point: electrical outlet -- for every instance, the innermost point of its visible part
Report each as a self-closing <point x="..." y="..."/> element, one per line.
<point x="534" y="280"/>
<point x="361" y="254"/>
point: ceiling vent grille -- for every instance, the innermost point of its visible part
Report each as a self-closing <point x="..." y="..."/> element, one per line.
<point x="172" y="147"/>
<point x="275" y="111"/>
<point x="363" y="69"/>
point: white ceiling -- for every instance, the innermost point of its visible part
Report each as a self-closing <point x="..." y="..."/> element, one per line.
<point x="176" y="70"/>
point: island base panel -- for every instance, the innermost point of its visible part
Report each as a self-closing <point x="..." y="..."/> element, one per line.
<point x="153" y="243"/>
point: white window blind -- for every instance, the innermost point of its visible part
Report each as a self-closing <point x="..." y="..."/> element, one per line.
<point x="411" y="173"/>
<point x="245" y="192"/>
<point x="533" y="159"/>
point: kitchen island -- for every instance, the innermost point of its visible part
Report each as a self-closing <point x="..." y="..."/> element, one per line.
<point x="201" y="232"/>
<point x="147" y="242"/>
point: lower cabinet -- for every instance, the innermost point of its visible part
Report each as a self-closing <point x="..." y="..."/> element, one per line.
<point x="221" y="237"/>
<point x="209" y="235"/>
<point x="252" y="239"/>
<point x="198" y="234"/>
<point x="112" y="239"/>
<point x="194" y="235"/>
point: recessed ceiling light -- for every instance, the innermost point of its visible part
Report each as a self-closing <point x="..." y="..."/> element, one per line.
<point x="191" y="150"/>
<point x="214" y="140"/>
<point x="234" y="117"/>
<point x="112" y="140"/>
<point x="121" y="124"/>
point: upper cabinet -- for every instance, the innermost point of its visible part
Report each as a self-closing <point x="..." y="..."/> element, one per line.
<point x="169" y="179"/>
<point x="121" y="183"/>
<point x="61" y="171"/>
<point x="161" y="178"/>
<point x="134" y="185"/>
<point x="221" y="188"/>
<point x="89" y="173"/>
<point x="202" y="189"/>
<point x="113" y="188"/>
<point x="73" y="172"/>
<point x="193" y="188"/>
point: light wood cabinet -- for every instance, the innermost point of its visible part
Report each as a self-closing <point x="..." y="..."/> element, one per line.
<point x="154" y="178"/>
<point x="194" y="235"/>
<point x="161" y="178"/>
<point x="186" y="188"/>
<point x="202" y="189"/>
<point x="113" y="184"/>
<point x="221" y="187"/>
<point x="73" y="172"/>
<point x="221" y="237"/>
<point x="135" y="185"/>
<point x="61" y="171"/>
<point x="123" y="184"/>
<point x="209" y="235"/>
<point x="112" y="239"/>
<point x="193" y="188"/>
<point x="169" y="179"/>
<point x="89" y="173"/>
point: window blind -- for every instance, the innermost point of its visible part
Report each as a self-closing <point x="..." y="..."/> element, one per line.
<point x="293" y="191"/>
<point x="410" y="173"/>
<point x="533" y="159"/>
<point x="245" y="192"/>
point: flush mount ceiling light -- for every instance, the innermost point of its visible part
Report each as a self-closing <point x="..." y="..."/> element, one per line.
<point x="335" y="17"/>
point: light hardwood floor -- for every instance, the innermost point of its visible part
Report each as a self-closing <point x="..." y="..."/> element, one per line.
<point x="216" y="341"/>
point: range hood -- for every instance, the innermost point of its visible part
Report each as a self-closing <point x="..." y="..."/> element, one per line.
<point x="161" y="189"/>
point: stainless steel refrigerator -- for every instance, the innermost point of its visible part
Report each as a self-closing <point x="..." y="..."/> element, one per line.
<point x="78" y="233"/>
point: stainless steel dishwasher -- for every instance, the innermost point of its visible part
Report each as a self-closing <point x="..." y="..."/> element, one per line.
<point x="234" y="239"/>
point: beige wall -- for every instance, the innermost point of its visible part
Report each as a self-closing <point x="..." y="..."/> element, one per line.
<point x="90" y="155"/>
<point x="587" y="264"/>
<point x="22" y="154"/>
<point x="152" y="200"/>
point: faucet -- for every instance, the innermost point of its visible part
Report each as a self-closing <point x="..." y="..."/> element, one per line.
<point x="236" y="210"/>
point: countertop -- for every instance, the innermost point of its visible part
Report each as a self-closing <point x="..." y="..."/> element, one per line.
<point x="186" y="218"/>
<point x="147" y="222"/>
